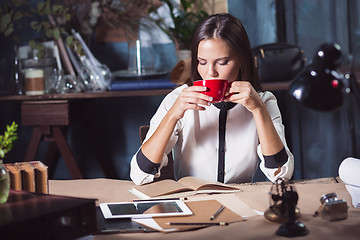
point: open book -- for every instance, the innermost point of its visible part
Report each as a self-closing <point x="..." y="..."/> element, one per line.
<point x="185" y="186"/>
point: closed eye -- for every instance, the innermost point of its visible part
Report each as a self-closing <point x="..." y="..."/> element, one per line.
<point x="202" y="62"/>
<point x="223" y="62"/>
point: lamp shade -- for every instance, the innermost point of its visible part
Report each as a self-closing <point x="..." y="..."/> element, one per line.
<point x="318" y="86"/>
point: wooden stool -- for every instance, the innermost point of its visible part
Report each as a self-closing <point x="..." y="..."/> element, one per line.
<point x="48" y="119"/>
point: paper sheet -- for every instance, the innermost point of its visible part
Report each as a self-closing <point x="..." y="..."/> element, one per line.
<point x="150" y="222"/>
<point x="232" y="202"/>
<point x="202" y="211"/>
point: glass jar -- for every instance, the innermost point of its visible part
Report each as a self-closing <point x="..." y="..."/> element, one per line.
<point x="4" y="183"/>
<point x="141" y="58"/>
<point x="46" y="64"/>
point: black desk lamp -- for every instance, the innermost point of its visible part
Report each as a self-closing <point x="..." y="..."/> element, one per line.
<point x="320" y="86"/>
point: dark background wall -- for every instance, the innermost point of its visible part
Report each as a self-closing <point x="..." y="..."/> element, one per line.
<point x="319" y="140"/>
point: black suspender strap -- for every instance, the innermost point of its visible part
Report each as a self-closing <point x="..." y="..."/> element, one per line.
<point x="223" y="106"/>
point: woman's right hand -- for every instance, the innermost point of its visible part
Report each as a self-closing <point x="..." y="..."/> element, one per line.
<point x="190" y="98"/>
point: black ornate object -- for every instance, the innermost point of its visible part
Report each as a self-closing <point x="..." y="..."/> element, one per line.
<point x="285" y="199"/>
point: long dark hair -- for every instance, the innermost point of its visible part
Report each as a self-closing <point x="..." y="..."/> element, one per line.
<point x="230" y="29"/>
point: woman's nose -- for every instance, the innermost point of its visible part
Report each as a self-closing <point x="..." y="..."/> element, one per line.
<point x="212" y="71"/>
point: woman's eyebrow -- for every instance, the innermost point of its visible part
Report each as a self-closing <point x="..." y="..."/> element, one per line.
<point x="222" y="58"/>
<point x="217" y="59"/>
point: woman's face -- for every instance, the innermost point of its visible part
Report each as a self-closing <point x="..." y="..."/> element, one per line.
<point x="217" y="61"/>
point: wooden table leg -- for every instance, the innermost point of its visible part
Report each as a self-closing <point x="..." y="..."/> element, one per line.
<point x="33" y="144"/>
<point x="66" y="153"/>
<point x="51" y="158"/>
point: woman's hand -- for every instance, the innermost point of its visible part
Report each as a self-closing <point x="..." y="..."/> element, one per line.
<point x="190" y="98"/>
<point x="244" y="94"/>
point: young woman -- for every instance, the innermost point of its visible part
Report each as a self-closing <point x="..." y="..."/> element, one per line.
<point x="223" y="141"/>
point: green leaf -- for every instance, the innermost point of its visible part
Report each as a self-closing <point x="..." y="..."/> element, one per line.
<point x="46" y="25"/>
<point x="40" y="54"/>
<point x="9" y="31"/>
<point x="32" y="44"/>
<point x="6" y="19"/>
<point x="49" y="34"/>
<point x="68" y="17"/>
<point x="3" y="27"/>
<point x="57" y="8"/>
<point x="56" y="33"/>
<point x="35" y="25"/>
<point x="7" y="139"/>
<point x="63" y="32"/>
<point x="40" y="6"/>
<point x="69" y="40"/>
<point x="47" y="8"/>
<point x="18" y="15"/>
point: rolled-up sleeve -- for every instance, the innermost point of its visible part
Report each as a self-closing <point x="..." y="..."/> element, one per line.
<point x="142" y="170"/>
<point x="280" y="165"/>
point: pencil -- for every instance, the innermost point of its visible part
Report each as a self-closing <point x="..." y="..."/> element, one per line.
<point x="202" y="224"/>
<point x="217" y="213"/>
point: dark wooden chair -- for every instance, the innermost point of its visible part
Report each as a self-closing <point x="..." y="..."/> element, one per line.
<point x="167" y="172"/>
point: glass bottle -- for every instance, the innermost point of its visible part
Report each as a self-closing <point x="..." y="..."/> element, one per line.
<point x="19" y="85"/>
<point x="4" y="183"/>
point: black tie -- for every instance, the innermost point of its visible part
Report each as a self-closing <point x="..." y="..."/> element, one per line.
<point x="224" y="107"/>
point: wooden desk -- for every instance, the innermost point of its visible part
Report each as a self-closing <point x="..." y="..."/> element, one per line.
<point x="254" y="195"/>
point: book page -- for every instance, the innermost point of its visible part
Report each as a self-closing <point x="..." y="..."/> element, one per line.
<point x="162" y="187"/>
<point x="200" y="184"/>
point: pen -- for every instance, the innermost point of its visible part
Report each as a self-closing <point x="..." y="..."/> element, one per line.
<point x="217" y="213"/>
<point x="202" y="224"/>
<point x="158" y="199"/>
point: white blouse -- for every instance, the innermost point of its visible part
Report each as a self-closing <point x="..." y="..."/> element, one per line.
<point x="195" y="142"/>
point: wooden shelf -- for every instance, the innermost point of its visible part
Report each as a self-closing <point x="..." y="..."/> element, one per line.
<point x="114" y="94"/>
<point x="86" y="95"/>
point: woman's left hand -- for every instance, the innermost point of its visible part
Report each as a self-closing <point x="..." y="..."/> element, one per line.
<point x="244" y="94"/>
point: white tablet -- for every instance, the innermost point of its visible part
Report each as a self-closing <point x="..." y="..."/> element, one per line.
<point x="144" y="209"/>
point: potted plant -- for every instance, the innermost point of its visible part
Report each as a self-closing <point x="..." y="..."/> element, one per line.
<point x="185" y="19"/>
<point x="6" y="142"/>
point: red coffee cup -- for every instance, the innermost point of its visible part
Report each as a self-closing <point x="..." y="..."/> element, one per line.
<point x="216" y="88"/>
